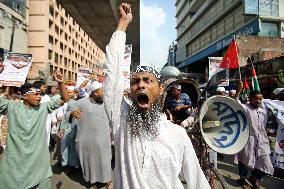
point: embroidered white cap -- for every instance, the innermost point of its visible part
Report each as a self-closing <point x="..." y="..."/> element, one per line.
<point x="221" y="89"/>
<point x="94" y="86"/>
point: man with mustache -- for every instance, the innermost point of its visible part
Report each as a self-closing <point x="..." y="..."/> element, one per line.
<point x="256" y="153"/>
<point x="150" y="151"/>
<point x="93" y="143"/>
<point x="26" y="160"/>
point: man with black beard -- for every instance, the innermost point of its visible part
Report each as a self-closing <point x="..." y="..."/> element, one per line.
<point x="150" y="151"/>
<point x="93" y="144"/>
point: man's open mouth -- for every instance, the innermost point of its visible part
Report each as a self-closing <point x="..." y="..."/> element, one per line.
<point x="143" y="100"/>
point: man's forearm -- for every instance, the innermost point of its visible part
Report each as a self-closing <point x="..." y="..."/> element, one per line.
<point x="84" y="83"/>
<point x="122" y="26"/>
<point x="64" y="93"/>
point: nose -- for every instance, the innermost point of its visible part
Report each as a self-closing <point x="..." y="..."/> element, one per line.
<point x="141" y="84"/>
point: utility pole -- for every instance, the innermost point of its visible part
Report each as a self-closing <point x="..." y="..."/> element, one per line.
<point x="12" y="34"/>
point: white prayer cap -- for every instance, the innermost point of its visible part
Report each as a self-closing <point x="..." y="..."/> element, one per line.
<point x="177" y="86"/>
<point x="226" y="91"/>
<point x="277" y="91"/>
<point x="220" y="89"/>
<point x="233" y="91"/>
<point x="76" y="88"/>
<point x="94" y="86"/>
<point x="71" y="88"/>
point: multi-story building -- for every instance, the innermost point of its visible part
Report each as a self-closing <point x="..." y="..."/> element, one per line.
<point x="206" y="27"/>
<point x="13" y="26"/>
<point x="56" y="41"/>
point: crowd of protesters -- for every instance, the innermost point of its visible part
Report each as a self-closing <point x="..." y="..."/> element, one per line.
<point x="81" y="123"/>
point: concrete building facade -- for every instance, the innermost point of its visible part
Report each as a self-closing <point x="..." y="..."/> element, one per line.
<point x="13" y="26"/>
<point x="99" y="19"/>
<point x="57" y="41"/>
<point x="206" y="27"/>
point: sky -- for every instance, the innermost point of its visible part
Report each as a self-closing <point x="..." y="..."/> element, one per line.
<point x="157" y="30"/>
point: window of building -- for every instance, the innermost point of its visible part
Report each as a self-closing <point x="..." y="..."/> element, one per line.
<point x="50" y="39"/>
<point x="269" y="29"/>
<point x="269" y="7"/>
<point x="65" y="62"/>
<point x="61" y="46"/>
<point x="69" y="75"/>
<point x="51" y="11"/>
<point x="56" y="29"/>
<point x="49" y="54"/>
<point x="56" y="58"/>
<point x="51" y="69"/>
<point x="56" y="14"/>
<point x="61" y="21"/>
<point x="50" y="23"/>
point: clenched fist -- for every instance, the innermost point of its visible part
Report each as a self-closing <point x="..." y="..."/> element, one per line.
<point x="125" y="16"/>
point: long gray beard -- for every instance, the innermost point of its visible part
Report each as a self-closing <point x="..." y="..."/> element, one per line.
<point x="144" y="124"/>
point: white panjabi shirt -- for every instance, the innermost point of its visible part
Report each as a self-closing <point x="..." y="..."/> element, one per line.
<point x="140" y="163"/>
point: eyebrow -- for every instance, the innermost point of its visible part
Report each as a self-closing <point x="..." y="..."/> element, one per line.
<point x="143" y="77"/>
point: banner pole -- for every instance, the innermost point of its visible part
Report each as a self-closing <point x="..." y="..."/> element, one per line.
<point x="240" y="75"/>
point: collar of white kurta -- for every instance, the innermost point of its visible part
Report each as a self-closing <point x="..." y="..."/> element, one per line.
<point x="147" y="68"/>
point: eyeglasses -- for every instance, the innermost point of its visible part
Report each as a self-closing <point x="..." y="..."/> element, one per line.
<point x="33" y="91"/>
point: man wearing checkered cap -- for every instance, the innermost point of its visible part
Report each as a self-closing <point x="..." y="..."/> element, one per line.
<point x="150" y="150"/>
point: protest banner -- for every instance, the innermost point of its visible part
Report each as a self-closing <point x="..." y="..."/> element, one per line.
<point x="217" y="76"/>
<point x="16" y="68"/>
<point x="275" y="130"/>
<point x="82" y="75"/>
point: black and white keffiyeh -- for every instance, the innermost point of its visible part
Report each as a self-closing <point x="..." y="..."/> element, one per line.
<point x="147" y="68"/>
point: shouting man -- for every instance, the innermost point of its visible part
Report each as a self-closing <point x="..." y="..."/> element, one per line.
<point x="26" y="161"/>
<point x="150" y="151"/>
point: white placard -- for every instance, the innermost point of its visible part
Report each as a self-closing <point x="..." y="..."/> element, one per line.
<point x="214" y="68"/>
<point x="16" y="68"/>
<point x="82" y="75"/>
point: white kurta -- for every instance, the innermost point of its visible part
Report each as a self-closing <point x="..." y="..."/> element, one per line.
<point x="141" y="163"/>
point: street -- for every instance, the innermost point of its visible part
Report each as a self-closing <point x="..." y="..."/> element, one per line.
<point x="228" y="169"/>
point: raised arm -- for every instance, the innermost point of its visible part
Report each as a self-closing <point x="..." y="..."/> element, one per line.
<point x="114" y="83"/>
<point x="54" y="104"/>
<point x="63" y="91"/>
<point x="92" y="77"/>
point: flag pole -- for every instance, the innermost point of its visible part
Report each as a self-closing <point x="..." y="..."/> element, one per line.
<point x="240" y="75"/>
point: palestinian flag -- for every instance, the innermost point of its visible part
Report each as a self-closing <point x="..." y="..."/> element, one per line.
<point x="255" y="85"/>
<point x="246" y="89"/>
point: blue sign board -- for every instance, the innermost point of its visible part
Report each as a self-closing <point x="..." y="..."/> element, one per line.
<point x="249" y="29"/>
